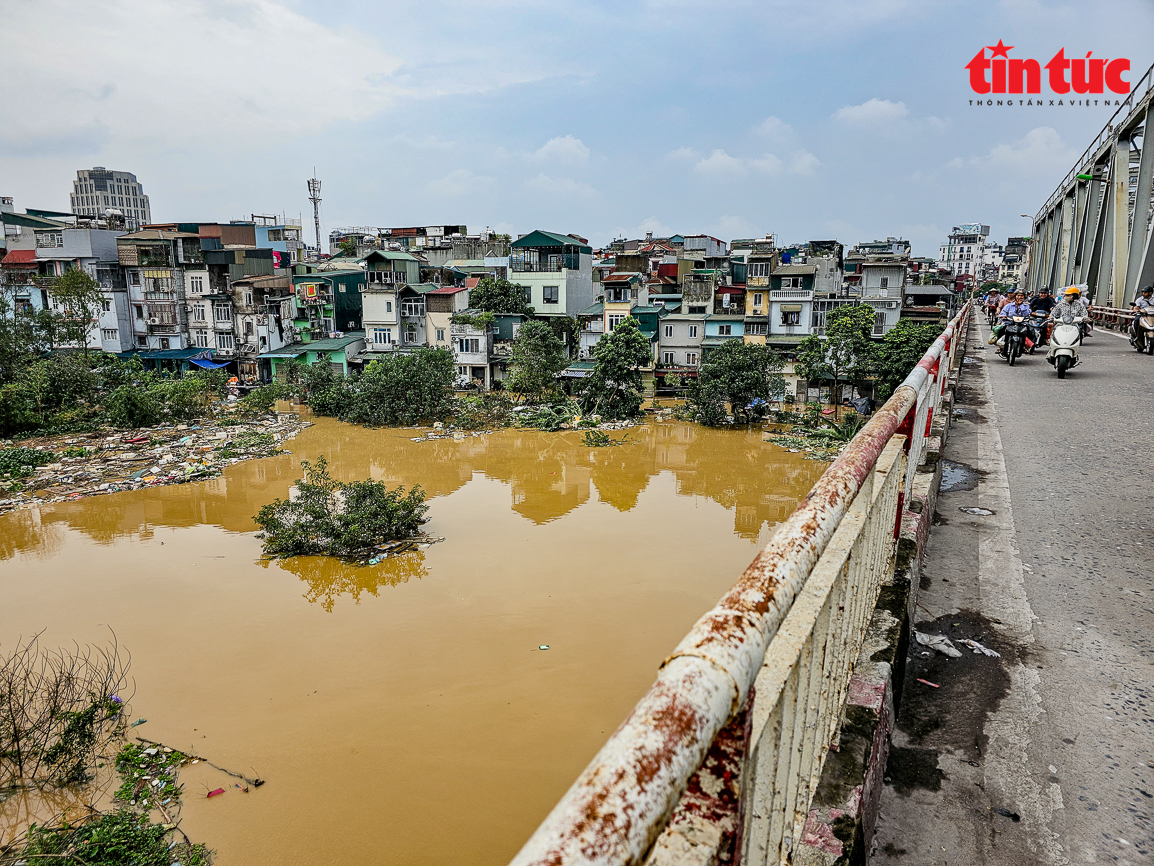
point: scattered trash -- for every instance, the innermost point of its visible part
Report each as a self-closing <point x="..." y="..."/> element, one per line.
<point x="982" y="512"/>
<point x="1006" y="813"/>
<point x="138" y="722"/>
<point x="215" y="792"/>
<point x="978" y="648"/>
<point x="928" y="683"/>
<point x="235" y="785"/>
<point x="941" y="643"/>
<point x="543" y="646"/>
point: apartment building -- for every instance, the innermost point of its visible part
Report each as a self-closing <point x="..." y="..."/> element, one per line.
<point x="98" y="190"/>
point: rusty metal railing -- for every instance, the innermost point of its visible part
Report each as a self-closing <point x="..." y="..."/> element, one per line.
<point x="793" y="624"/>
<point x="1112" y="317"/>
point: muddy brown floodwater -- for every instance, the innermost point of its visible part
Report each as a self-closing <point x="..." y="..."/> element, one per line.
<point x="403" y="713"/>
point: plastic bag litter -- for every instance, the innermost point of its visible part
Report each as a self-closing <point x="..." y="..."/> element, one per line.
<point x="941" y="643"/>
<point x="978" y="648"/>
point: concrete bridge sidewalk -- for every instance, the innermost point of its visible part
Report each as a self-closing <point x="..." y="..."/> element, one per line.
<point x="1046" y="754"/>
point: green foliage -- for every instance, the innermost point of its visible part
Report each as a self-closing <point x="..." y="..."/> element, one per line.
<point x="120" y="838"/>
<point x="19" y="462"/>
<point x="403" y="389"/>
<point x="600" y="439"/>
<point x="899" y="353"/>
<point x="480" y="321"/>
<point x="138" y="770"/>
<point x="499" y="296"/>
<point x="483" y="411"/>
<point x="846" y="353"/>
<point x="128" y="406"/>
<point x="538" y="356"/>
<point x="347" y="246"/>
<point x="249" y="444"/>
<point x="614" y="388"/>
<point x="568" y="331"/>
<point x="76" y="305"/>
<point x="748" y="376"/>
<point x="335" y="518"/>
<point x="260" y="401"/>
<point x="548" y="418"/>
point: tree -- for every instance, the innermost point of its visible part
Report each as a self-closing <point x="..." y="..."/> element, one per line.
<point x="499" y="296"/>
<point x="747" y="375"/>
<point x="77" y="302"/>
<point x="538" y="356"/>
<point x="403" y="389"/>
<point x="347" y="247"/>
<point x="613" y="390"/>
<point x="846" y="352"/>
<point x="568" y="330"/>
<point x="900" y="351"/>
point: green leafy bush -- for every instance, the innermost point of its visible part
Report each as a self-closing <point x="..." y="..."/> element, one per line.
<point x="19" y="462"/>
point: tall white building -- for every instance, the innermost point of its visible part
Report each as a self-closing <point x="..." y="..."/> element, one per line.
<point x="965" y="251"/>
<point x="97" y="190"/>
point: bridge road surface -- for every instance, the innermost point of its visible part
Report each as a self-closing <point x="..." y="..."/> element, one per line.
<point x="1059" y="731"/>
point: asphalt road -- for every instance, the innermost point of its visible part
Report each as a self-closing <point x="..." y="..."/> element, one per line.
<point x="1058" y="732"/>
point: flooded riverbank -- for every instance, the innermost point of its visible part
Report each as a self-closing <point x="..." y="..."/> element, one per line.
<point x="402" y="713"/>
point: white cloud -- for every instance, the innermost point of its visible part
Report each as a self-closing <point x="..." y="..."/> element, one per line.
<point x="721" y="164"/>
<point x="460" y="182"/>
<point x="560" y="186"/>
<point x="769" y="164"/>
<point x="564" y="149"/>
<point x="873" y="112"/>
<point x="683" y="153"/>
<point x="803" y="162"/>
<point x="774" y="127"/>
<point x="1041" y="151"/>
<point x="227" y="70"/>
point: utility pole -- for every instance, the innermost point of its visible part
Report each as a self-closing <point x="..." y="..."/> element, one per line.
<point x="315" y="198"/>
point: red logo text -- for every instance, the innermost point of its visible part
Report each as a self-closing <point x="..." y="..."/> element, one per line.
<point x="1000" y="73"/>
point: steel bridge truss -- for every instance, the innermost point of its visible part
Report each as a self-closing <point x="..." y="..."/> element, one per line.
<point x="1095" y="228"/>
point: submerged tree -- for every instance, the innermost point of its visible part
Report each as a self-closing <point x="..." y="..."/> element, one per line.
<point x="845" y="353"/>
<point x="746" y="375"/>
<point x="614" y="389"/>
<point x="336" y="518"/>
<point x="538" y="356"/>
<point x="900" y="351"/>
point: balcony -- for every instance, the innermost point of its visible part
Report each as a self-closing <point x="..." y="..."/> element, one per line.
<point x="791" y="295"/>
<point x="530" y="261"/>
<point x="386" y="278"/>
<point x="220" y="325"/>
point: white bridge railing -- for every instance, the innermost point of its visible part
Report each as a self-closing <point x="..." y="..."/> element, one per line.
<point x="759" y="683"/>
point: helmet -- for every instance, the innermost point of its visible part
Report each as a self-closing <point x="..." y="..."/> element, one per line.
<point x="1072" y="290"/>
<point x="1147" y="289"/>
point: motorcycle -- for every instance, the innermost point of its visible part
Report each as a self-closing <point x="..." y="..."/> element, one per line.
<point x="1064" y="343"/>
<point x="1037" y="323"/>
<point x="1142" y="331"/>
<point x="991" y="316"/>
<point x="1016" y="336"/>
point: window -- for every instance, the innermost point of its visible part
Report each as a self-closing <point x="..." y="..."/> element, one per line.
<point x="248" y="299"/>
<point x="550" y="294"/>
<point x="791" y="317"/>
<point x="691" y="359"/>
<point x="757" y="298"/>
<point x="440" y="335"/>
<point x="787" y="282"/>
<point x="383" y="336"/>
<point x="759" y="269"/>
<point x="198" y="313"/>
<point x="614" y="321"/>
<point x="222" y="312"/>
<point x="388" y="306"/>
<point x="885" y="282"/>
<point x="248" y="327"/>
<point x="669" y="332"/>
<point x="693" y="331"/>
<point x="757" y="328"/>
<point x="528" y="294"/>
<point x="667" y="358"/>
<point x="414" y="307"/>
<point x="410" y="333"/>
<point x="139" y="310"/>
<point x="109" y="334"/>
<point x="105" y="305"/>
<point x="164" y="342"/>
<point x="201" y="339"/>
<point x="225" y="341"/>
<point x="134" y="278"/>
<point x="725" y="330"/>
<point x="879" y="324"/>
<point x="696" y="310"/>
<point x="142" y="342"/>
<point x="469" y="344"/>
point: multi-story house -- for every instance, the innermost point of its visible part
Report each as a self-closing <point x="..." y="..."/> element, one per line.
<point x="556" y="271"/>
<point x="281" y="235"/>
<point x="964" y="251"/>
<point x="719" y="329"/>
<point x="1013" y="266"/>
<point x="698" y="288"/>
<point x="157" y="263"/>
<point x="679" y="344"/>
<point x="263" y="315"/>
<point x="96" y="191"/>
<point x="328" y="302"/>
<point x="440" y="307"/>
<point x="791" y="300"/>
<point x="883" y="288"/>
<point x="472" y="337"/>
<point x="387" y="272"/>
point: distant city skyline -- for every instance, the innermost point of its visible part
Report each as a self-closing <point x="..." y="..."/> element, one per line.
<point x="819" y="120"/>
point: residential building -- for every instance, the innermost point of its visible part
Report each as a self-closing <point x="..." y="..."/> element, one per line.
<point x="679" y="345"/>
<point x="156" y="263"/>
<point x="556" y="271"/>
<point x="282" y="235"/>
<point x="719" y="329"/>
<point x="96" y="191"/>
<point x="791" y="300"/>
<point x="263" y="314"/>
<point x="441" y="305"/>
<point x="964" y="251"/>
<point x="327" y="303"/>
<point x="472" y="338"/>
<point x="341" y="352"/>
<point x="882" y="287"/>
<point x="1012" y="269"/>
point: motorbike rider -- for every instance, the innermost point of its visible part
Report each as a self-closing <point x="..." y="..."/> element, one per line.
<point x="1015" y="307"/>
<point x="994" y="299"/>
<point x="1141" y="303"/>
<point x="1041" y="305"/>
<point x="1071" y="305"/>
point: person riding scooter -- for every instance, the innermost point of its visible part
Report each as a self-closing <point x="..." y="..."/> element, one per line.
<point x="1069" y="317"/>
<point x="1016" y="307"/>
<point x="1143" y="307"/>
<point x="1042" y="305"/>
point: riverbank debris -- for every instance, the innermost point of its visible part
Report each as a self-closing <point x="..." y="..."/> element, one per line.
<point x="938" y="642"/>
<point x="108" y="461"/>
<point x="978" y="648"/>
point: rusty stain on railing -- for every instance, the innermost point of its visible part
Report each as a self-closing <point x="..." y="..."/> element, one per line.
<point x="622" y="801"/>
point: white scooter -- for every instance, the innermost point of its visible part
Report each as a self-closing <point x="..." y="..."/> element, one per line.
<point x="1064" y="343"/>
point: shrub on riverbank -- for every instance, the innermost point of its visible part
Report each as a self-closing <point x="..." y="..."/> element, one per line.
<point x="335" y="518"/>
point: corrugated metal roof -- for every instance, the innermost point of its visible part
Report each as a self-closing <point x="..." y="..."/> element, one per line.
<point x="20" y="257"/>
<point x="539" y="238"/>
<point x="792" y="270"/>
<point x="449" y="290"/>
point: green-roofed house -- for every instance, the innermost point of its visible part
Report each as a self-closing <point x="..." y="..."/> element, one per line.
<point x="327" y="301"/>
<point x="337" y="351"/>
<point x="556" y="271"/>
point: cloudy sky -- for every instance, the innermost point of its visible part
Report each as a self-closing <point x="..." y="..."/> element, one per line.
<point x="818" y="119"/>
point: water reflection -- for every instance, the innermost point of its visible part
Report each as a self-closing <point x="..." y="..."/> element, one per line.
<point x="328" y="578"/>
<point x="548" y="476"/>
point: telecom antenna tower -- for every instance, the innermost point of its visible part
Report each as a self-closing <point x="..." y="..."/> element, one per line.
<point x="315" y="198"/>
